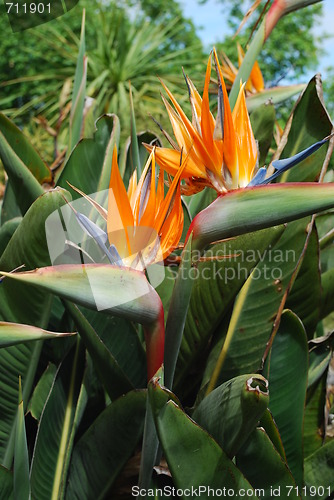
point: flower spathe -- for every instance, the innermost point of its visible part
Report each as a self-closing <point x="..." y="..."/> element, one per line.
<point x="222" y="152"/>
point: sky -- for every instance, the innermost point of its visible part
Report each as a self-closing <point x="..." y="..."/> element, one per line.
<point x="210" y="18"/>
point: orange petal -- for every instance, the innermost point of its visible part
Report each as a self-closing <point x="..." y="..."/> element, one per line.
<point x="169" y="160"/>
<point x="246" y="144"/>
<point x="172" y="228"/>
<point x="166" y="205"/>
<point x="230" y="150"/>
<point x="208" y="123"/>
<point x="120" y="216"/>
<point x="257" y="77"/>
<point x="149" y="214"/>
<point x="180" y="131"/>
<point x="198" y="144"/>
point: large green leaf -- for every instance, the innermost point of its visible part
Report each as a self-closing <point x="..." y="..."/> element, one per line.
<point x="264" y="468"/>
<point x="310" y="123"/>
<point x="303" y="299"/>
<point x="6" y="484"/>
<point x="314" y="418"/>
<point x="255" y="309"/>
<point x="319" y="470"/>
<point x="89" y="165"/>
<point x="6" y="232"/>
<point x="287" y="368"/>
<point x="25" y="305"/>
<point x="53" y="441"/>
<point x="194" y="458"/>
<point x="104" y="449"/>
<point x="215" y="285"/>
<point x="231" y="412"/>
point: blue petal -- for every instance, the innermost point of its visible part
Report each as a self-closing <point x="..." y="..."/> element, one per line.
<point x="115" y="255"/>
<point x="91" y="228"/>
<point x="258" y="178"/>
<point x="99" y="236"/>
<point x="283" y="165"/>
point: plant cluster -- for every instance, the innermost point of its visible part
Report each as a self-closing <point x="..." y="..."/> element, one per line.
<point x="165" y="309"/>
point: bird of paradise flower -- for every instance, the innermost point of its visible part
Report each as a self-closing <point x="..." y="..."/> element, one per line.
<point x="221" y="153"/>
<point x="143" y="225"/>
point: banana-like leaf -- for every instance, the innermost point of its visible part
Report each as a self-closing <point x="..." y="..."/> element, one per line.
<point x="273" y="95"/>
<point x="89" y="165"/>
<point x="101" y="453"/>
<point x="314" y="418"/>
<point x="287" y="367"/>
<point x="255" y="308"/>
<point x="215" y="285"/>
<point x="16" y="333"/>
<point x="303" y="299"/>
<point x="270" y="473"/>
<point x="231" y="412"/>
<point x="6" y="484"/>
<point x="53" y="440"/>
<point x="6" y="232"/>
<point x="319" y="470"/>
<point x="245" y="210"/>
<point x="194" y="458"/>
<point x="23" y="304"/>
<point x="309" y="123"/>
<point x="21" y="458"/>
